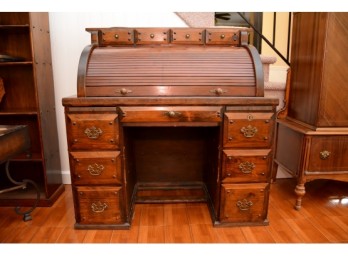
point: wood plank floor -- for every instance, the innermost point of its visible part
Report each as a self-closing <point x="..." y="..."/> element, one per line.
<point x="322" y="219"/>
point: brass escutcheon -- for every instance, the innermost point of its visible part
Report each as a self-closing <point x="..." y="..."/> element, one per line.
<point x="244" y="205"/>
<point x="93" y="132"/>
<point x="98" y="206"/>
<point x="246" y="167"/>
<point x="324" y="155"/>
<point x="95" y="169"/>
<point x="249" y="131"/>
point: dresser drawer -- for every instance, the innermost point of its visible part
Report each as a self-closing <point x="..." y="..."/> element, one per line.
<point x="191" y="36"/>
<point x="222" y="37"/>
<point x="151" y="36"/>
<point x="117" y="36"/>
<point x="248" y="130"/>
<point x="246" y="166"/>
<point x="244" y="202"/>
<point x="99" y="206"/>
<point x="95" y="167"/>
<point x="171" y="114"/>
<point x="328" y="153"/>
<point x="92" y="131"/>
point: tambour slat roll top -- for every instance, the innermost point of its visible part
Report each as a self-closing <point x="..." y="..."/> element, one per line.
<point x="203" y="66"/>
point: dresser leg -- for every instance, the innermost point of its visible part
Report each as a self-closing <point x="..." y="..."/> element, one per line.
<point x="300" y="192"/>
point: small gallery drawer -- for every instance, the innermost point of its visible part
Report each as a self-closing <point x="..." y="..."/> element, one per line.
<point x="118" y="36"/>
<point x="171" y="114"/>
<point x="222" y="37"/>
<point x="92" y="131"/>
<point x="246" y="165"/>
<point x="328" y="153"/>
<point x="95" y="167"/>
<point x="99" y="205"/>
<point x="183" y="36"/>
<point x="151" y="36"/>
<point x="248" y="129"/>
<point x="244" y="202"/>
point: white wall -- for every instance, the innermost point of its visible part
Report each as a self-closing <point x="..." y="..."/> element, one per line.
<point x="68" y="38"/>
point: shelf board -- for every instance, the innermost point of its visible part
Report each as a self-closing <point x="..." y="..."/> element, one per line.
<point x="24" y="158"/>
<point x="18" y="26"/>
<point x="16" y="63"/>
<point x="17" y="112"/>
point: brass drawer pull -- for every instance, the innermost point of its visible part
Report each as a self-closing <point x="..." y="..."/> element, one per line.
<point x="249" y="131"/>
<point x="98" y="207"/>
<point x="152" y="35"/>
<point x="246" y="167"/>
<point x="244" y="205"/>
<point x="324" y="155"/>
<point x="222" y="36"/>
<point x="124" y="91"/>
<point x="218" y="91"/>
<point x="187" y="36"/>
<point x="93" y="132"/>
<point x="117" y="36"/>
<point x="172" y="114"/>
<point x="95" y="169"/>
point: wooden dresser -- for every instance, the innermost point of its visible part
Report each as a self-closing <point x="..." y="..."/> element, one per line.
<point x="313" y="138"/>
<point x="169" y="115"/>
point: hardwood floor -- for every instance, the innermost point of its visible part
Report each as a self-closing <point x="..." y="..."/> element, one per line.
<point x="322" y="219"/>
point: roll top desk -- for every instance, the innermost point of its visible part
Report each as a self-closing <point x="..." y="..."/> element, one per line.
<point x="169" y="115"/>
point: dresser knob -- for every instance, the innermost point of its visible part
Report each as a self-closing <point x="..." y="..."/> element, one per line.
<point x="152" y="35"/>
<point x="218" y="91"/>
<point x="124" y="91"/>
<point x="324" y="155"/>
<point x="172" y="114"/>
<point x="222" y="36"/>
<point x="116" y="36"/>
<point x="187" y="36"/>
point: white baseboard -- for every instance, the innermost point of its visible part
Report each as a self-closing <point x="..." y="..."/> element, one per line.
<point x="66" y="177"/>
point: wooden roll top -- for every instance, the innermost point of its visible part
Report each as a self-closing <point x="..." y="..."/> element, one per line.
<point x="159" y="62"/>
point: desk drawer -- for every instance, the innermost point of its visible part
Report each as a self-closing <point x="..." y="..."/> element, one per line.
<point x="152" y="36"/>
<point x="244" y="202"/>
<point x="253" y="130"/>
<point x="96" y="167"/>
<point x="171" y="114"/>
<point x="99" y="205"/>
<point x="117" y="36"/>
<point x="209" y="89"/>
<point x="328" y="153"/>
<point x="246" y="166"/>
<point x="92" y="131"/>
<point x="185" y="36"/>
<point x="222" y="37"/>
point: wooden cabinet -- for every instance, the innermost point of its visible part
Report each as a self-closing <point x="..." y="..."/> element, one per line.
<point x="312" y="140"/>
<point x="26" y="73"/>
<point x="169" y="115"/>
